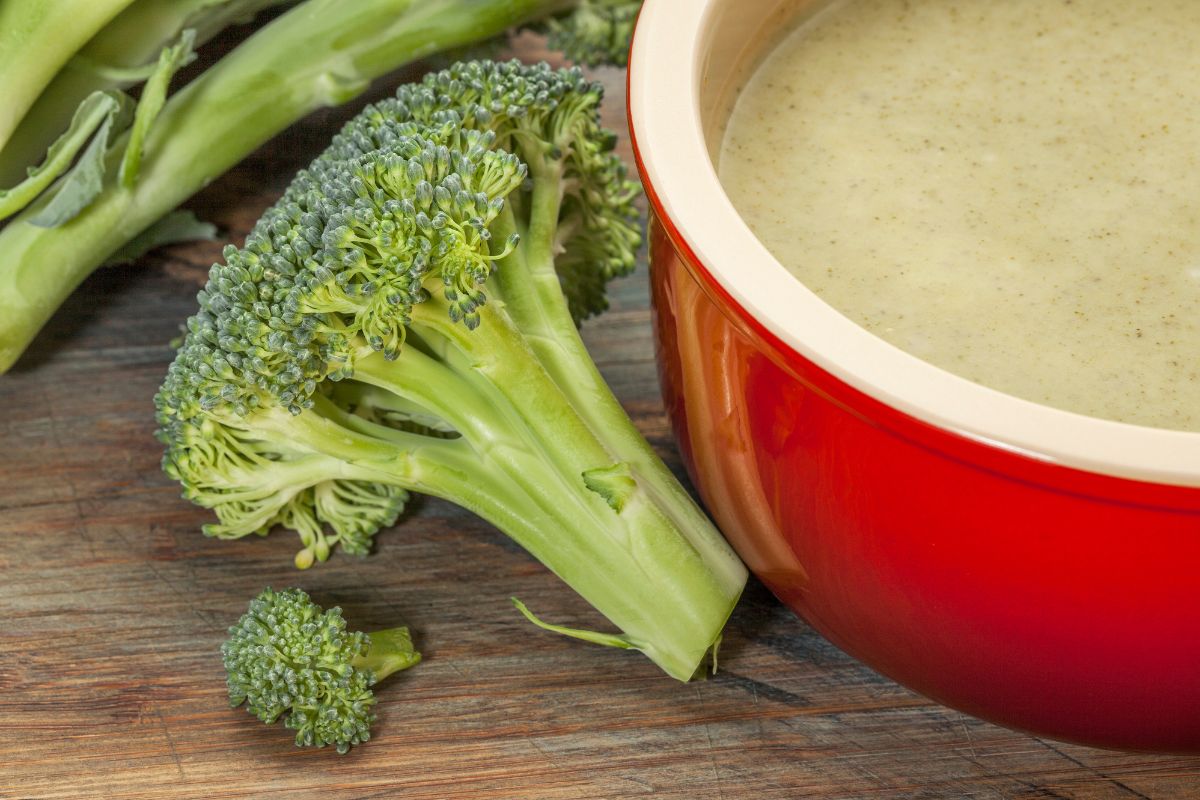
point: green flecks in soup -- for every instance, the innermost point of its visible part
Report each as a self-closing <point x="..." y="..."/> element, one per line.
<point x="1009" y="190"/>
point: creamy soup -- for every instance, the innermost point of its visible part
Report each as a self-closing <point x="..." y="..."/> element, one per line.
<point x="1007" y="189"/>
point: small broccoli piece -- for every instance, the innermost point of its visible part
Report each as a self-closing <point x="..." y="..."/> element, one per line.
<point x="404" y="320"/>
<point x="286" y="656"/>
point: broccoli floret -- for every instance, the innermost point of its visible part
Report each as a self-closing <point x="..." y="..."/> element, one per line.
<point x="404" y="320"/>
<point x="286" y="656"/>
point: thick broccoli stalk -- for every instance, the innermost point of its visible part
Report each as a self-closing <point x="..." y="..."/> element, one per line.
<point x="120" y="55"/>
<point x="36" y="40"/>
<point x="403" y="320"/>
<point x="320" y="53"/>
<point x="286" y="657"/>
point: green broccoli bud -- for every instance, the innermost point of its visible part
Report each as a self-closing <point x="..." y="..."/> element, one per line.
<point x="287" y="658"/>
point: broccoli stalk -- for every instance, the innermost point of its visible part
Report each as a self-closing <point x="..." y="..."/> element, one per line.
<point x="322" y="52"/>
<point x="404" y="320"/>
<point x="36" y="40"/>
<point x="287" y="656"/>
<point x="119" y="55"/>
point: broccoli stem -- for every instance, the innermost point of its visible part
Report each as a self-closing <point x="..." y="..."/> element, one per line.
<point x="488" y="424"/>
<point x="507" y="356"/>
<point x="445" y="468"/>
<point x="616" y="560"/>
<point x="636" y="540"/>
<point x="36" y="40"/>
<point x="536" y="301"/>
<point x="131" y="40"/>
<point x="323" y="52"/>
<point x="505" y="359"/>
<point x="389" y="651"/>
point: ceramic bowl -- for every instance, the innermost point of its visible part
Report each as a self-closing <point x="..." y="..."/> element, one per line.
<point x="1030" y="566"/>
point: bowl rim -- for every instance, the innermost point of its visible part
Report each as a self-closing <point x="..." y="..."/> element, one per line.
<point x="664" y="83"/>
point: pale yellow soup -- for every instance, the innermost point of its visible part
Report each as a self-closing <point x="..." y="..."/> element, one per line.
<point x="1009" y="189"/>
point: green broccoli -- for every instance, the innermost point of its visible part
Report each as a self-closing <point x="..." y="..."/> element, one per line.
<point x="404" y="319"/>
<point x="106" y="209"/>
<point x="36" y="40"/>
<point x="287" y="656"/>
<point x="121" y="54"/>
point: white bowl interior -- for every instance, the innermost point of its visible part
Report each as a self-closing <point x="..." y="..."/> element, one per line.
<point x="689" y="58"/>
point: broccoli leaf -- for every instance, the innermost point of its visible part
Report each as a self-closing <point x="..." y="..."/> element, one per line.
<point x="86" y="178"/>
<point x="154" y="96"/>
<point x="89" y="117"/>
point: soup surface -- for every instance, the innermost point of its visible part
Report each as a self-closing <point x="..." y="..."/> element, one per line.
<point x="1009" y="190"/>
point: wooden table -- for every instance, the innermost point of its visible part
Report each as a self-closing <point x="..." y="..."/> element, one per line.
<point x="114" y="606"/>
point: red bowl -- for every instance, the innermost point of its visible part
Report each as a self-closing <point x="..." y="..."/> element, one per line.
<point x="1033" y="567"/>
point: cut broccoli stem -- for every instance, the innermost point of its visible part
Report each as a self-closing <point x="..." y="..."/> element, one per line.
<point x="389" y="651"/>
<point x="287" y="69"/>
<point x="36" y="40"/>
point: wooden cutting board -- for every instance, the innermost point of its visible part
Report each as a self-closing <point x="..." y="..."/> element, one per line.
<point x="113" y="607"/>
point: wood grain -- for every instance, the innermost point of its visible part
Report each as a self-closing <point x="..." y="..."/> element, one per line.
<point x="114" y="607"/>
